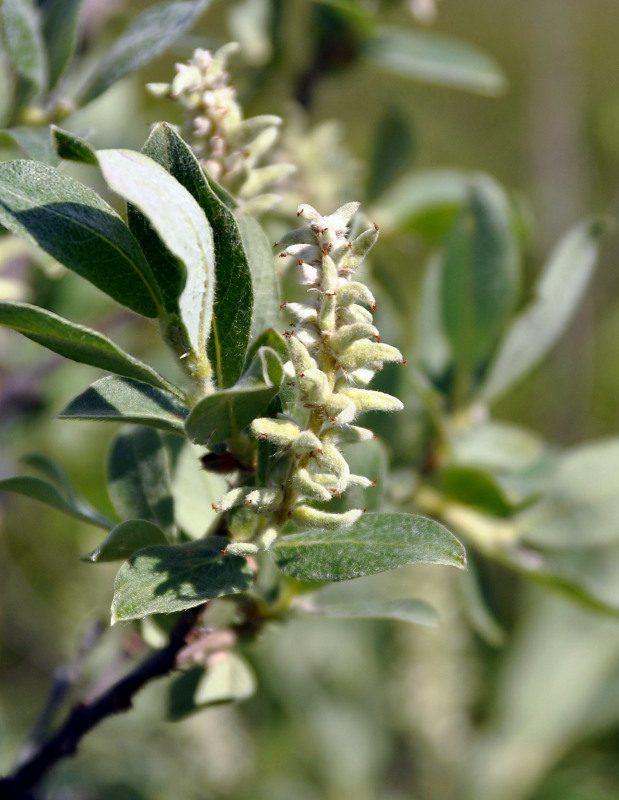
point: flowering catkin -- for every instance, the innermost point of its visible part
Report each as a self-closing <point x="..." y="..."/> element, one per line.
<point x="229" y="147"/>
<point x="334" y="352"/>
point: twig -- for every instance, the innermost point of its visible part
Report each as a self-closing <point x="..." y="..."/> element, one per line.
<point x="85" y="716"/>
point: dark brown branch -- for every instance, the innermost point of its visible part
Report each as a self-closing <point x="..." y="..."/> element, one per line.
<point x="85" y="716"/>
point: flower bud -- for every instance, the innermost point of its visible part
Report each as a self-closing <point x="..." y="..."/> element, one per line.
<point x="313" y="518"/>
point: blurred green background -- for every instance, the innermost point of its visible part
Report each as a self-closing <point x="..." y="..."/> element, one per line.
<point x="351" y="709"/>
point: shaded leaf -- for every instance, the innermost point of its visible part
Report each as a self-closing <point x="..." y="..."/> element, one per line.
<point x="126" y="539"/>
<point x="138" y="477"/>
<point x="126" y="400"/>
<point x="417" y="612"/>
<point x="375" y="543"/>
<point x="223" y="415"/>
<point x="195" y="490"/>
<point x="391" y="150"/>
<point x="79" y="229"/>
<point x="36" y="143"/>
<point x="47" y="493"/>
<point x="77" y="342"/>
<point x="474" y="487"/>
<point x="266" y="313"/>
<point x="148" y="36"/>
<point x="24" y="43"/>
<point x="435" y="58"/>
<point x="188" y="290"/>
<point x="480" y="277"/>
<point x="72" y="147"/>
<point x="538" y="328"/>
<point x="425" y="201"/>
<point x="232" y="305"/>
<point x="165" y="579"/>
<point x="59" y="19"/>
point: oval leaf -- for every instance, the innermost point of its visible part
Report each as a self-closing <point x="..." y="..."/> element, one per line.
<point x="35" y="143"/>
<point x="47" y="493"/>
<point x="435" y="58"/>
<point x="160" y="580"/>
<point x="148" y="36"/>
<point x="138" y="477"/>
<point x="266" y="313"/>
<point x="417" y="612"/>
<point x="375" y="543"/>
<point x="125" y="400"/>
<point x="59" y="18"/>
<point x="232" y="308"/>
<point x="538" y="328"/>
<point x="79" y="229"/>
<point x="180" y="224"/>
<point x="480" y="276"/>
<point x="23" y="42"/>
<point x="126" y="539"/>
<point x="228" y="679"/>
<point x="223" y="415"/>
<point x="77" y="343"/>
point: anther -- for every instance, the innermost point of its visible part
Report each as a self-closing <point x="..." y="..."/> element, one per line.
<point x="215" y="508"/>
<point x="282" y="305"/>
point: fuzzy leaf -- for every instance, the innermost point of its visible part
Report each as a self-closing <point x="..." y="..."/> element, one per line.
<point x="79" y="229"/>
<point x="232" y="307"/>
<point x="148" y="36"/>
<point x="138" y="477"/>
<point x="24" y="43"/>
<point x="36" y="143"/>
<point x="77" y="342"/>
<point x="538" y="328"/>
<point x="375" y="543"/>
<point x="184" y="231"/>
<point x="160" y="580"/>
<point x="47" y="493"/>
<point x="435" y="58"/>
<point x="72" y="147"/>
<point x="59" y="18"/>
<point x="223" y="415"/>
<point x="417" y="612"/>
<point x="126" y="539"/>
<point x="266" y="313"/>
<point x="126" y="400"/>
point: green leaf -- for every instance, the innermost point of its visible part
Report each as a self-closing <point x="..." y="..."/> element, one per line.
<point x="24" y="43"/>
<point x="160" y="580"/>
<point x="195" y="491"/>
<point x="36" y="143"/>
<point x="425" y="202"/>
<point x="480" y="276"/>
<point x="59" y="18"/>
<point x="375" y="543"/>
<point x="182" y="227"/>
<point x="126" y="539"/>
<point x="417" y="612"/>
<point x="580" y="506"/>
<point x="435" y="58"/>
<point x="433" y="349"/>
<point x="148" y="36"/>
<point x="47" y="493"/>
<point x="497" y="446"/>
<point x="138" y="477"/>
<point x="391" y="151"/>
<point x="125" y="400"/>
<point x="228" y="679"/>
<point x="223" y="415"/>
<point x="266" y="313"/>
<point x="77" y="343"/>
<point x="72" y="147"/>
<point x="538" y="328"/>
<point x="474" y="487"/>
<point x="231" y="321"/>
<point x="79" y="229"/>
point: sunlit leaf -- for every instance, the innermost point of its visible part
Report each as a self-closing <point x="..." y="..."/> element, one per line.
<point x="125" y="539"/>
